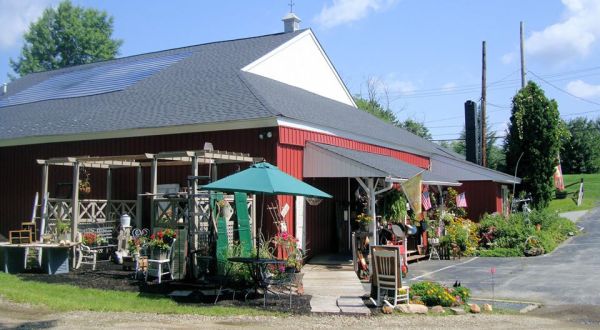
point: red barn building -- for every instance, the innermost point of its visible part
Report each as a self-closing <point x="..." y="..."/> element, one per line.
<point x="275" y="96"/>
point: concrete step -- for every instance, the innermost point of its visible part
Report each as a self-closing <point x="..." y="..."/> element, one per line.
<point x="417" y="257"/>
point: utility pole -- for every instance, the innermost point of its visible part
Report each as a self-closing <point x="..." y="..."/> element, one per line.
<point x="522" y="55"/>
<point x="483" y="101"/>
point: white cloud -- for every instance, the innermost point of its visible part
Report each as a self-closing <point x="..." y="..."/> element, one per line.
<point x="16" y="15"/>
<point x="572" y="37"/>
<point x="582" y="89"/>
<point x="508" y="58"/>
<point x="448" y="87"/>
<point x="404" y="87"/>
<point x="346" y="11"/>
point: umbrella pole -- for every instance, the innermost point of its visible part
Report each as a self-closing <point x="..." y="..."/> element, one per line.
<point x="259" y="231"/>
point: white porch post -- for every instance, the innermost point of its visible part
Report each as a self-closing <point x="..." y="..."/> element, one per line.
<point x="369" y="188"/>
<point x="194" y="221"/>
<point x="371" y="192"/>
<point x="300" y="226"/>
<point x="153" y="188"/>
<point x="75" y="208"/>
<point x="138" y="201"/>
<point x="45" y="172"/>
<point x="109" y="194"/>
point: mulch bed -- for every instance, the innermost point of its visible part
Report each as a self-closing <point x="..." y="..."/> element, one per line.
<point x="110" y="276"/>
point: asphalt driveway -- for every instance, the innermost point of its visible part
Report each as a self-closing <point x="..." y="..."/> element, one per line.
<point x="569" y="275"/>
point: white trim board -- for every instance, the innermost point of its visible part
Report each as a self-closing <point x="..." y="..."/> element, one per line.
<point x="141" y="132"/>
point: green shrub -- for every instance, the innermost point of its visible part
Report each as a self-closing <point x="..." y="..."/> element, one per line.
<point x="510" y="234"/>
<point x="501" y="252"/>
<point x="463" y="233"/>
<point x="434" y="294"/>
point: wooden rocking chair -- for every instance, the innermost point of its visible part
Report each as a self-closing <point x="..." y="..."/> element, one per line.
<point x="388" y="276"/>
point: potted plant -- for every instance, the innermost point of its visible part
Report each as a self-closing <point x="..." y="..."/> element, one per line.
<point x="63" y="227"/>
<point x="432" y="234"/>
<point x="90" y="239"/>
<point x="160" y="243"/>
<point x="363" y="221"/>
<point x="293" y="255"/>
<point x="84" y="184"/>
<point x="395" y="207"/>
<point x="134" y="246"/>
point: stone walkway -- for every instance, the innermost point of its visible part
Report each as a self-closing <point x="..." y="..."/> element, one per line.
<point x="334" y="287"/>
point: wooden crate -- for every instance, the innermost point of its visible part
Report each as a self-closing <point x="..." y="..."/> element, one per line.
<point x="31" y="226"/>
<point x="20" y="236"/>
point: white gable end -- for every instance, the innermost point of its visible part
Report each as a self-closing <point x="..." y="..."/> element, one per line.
<point x="302" y="63"/>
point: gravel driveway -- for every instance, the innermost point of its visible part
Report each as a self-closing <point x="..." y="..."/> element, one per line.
<point x="27" y="317"/>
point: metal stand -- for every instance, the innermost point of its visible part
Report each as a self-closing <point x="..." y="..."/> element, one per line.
<point x="433" y="251"/>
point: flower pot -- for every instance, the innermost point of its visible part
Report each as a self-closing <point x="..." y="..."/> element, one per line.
<point x="158" y="254"/>
<point x="434" y="241"/>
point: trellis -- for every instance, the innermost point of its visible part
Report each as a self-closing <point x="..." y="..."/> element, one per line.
<point x="90" y="213"/>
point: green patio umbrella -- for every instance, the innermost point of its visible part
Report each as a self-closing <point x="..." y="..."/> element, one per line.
<point x="265" y="179"/>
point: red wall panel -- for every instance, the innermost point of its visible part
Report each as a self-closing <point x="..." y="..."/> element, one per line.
<point x="21" y="176"/>
<point x="298" y="137"/>
<point x="482" y="197"/>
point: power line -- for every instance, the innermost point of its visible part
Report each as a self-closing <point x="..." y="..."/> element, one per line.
<point x="562" y="90"/>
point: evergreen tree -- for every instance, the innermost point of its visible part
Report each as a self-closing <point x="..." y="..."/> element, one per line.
<point x="535" y="131"/>
<point x="68" y="35"/>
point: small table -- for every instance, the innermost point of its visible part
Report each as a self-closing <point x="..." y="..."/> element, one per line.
<point x="55" y="257"/>
<point x="257" y="267"/>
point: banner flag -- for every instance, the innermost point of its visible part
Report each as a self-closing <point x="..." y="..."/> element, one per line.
<point x="461" y="200"/>
<point x="412" y="191"/>
<point x="426" y="200"/>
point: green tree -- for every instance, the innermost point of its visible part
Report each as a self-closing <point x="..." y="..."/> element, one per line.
<point x="68" y="35"/>
<point x="496" y="159"/>
<point x="535" y="131"/>
<point x="416" y="128"/>
<point x="580" y="153"/>
<point x="373" y="107"/>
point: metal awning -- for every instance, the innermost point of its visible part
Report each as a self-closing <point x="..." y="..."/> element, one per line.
<point x="327" y="161"/>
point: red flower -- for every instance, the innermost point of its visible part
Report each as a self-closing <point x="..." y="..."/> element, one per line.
<point x="160" y="234"/>
<point x="152" y="236"/>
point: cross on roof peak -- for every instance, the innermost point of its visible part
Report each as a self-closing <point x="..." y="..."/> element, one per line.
<point x="291" y="4"/>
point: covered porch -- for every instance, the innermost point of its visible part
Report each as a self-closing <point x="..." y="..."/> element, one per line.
<point x="365" y="178"/>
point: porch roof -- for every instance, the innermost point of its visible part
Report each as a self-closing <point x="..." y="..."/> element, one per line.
<point x="171" y="158"/>
<point x="322" y="160"/>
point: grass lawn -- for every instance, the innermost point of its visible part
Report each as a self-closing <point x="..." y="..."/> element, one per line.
<point x="63" y="298"/>
<point x="591" y="196"/>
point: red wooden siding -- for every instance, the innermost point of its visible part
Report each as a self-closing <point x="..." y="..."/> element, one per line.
<point x="21" y="176"/>
<point x="289" y="160"/>
<point x="298" y="137"/>
<point x="482" y="197"/>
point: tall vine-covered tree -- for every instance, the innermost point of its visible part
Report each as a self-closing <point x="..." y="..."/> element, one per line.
<point x="65" y="36"/>
<point x="535" y="131"/>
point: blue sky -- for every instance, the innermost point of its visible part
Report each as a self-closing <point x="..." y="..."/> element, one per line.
<point x="426" y="54"/>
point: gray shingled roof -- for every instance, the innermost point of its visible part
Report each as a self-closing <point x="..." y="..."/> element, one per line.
<point x="207" y="86"/>
<point x="295" y="103"/>
<point x="386" y="164"/>
<point x="203" y="88"/>
<point x="462" y="170"/>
